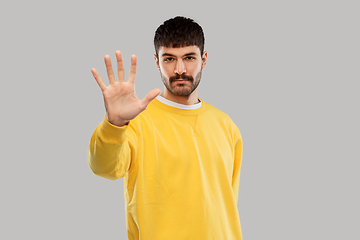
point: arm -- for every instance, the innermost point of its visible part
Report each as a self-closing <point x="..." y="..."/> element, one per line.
<point x="110" y="149"/>
<point x="237" y="164"/>
<point x="109" y="154"/>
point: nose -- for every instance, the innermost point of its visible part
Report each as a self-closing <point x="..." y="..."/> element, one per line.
<point x="180" y="67"/>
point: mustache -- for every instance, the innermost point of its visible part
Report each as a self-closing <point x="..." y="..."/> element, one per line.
<point x="182" y="76"/>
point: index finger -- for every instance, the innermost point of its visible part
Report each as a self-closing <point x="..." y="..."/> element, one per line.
<point x="132" y="74"/>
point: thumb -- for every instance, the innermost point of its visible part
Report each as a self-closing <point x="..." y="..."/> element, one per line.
<point x="149" y="97"/>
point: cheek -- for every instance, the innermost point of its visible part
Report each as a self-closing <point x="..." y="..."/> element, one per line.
<point x="167" y="71"/>
<point x="194" y="70"/>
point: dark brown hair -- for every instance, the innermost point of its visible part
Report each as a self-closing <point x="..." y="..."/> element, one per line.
<point x="179" y="32"/>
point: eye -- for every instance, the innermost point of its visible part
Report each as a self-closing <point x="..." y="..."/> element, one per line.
<point x="190" y="58"/>
<point x="169" y="59"/>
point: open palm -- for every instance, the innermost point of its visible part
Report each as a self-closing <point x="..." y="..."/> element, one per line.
<point x="120" y="100"/>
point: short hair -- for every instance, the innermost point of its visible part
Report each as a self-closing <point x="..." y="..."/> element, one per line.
<point x="179" y="32"/>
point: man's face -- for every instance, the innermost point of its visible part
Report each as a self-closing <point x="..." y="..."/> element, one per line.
<point x="180" y="68"/>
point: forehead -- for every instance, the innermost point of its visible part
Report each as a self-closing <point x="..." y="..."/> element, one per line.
<point x="180" y="51"/>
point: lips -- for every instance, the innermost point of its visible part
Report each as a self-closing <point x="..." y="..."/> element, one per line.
<point x="180" y="80"/>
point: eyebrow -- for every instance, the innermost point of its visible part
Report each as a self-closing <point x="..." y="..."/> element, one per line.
<point x="171" y="55"/>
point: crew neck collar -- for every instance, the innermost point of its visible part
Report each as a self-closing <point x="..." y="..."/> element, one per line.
<point x="199" y="108"/>
<point x="179" y="105"/>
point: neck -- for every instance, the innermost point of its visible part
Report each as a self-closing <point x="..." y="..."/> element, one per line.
<point x="186" y="100"/>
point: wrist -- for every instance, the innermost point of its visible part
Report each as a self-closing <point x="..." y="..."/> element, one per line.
<point x="117" y="121"/>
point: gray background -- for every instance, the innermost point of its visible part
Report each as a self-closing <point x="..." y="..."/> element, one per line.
<point x="287" y="72"/>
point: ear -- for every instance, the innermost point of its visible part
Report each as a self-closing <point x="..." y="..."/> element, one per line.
<point x="157" y="61"/>
<point x="204" y="57"/>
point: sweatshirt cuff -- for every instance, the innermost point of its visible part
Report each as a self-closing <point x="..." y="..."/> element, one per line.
<point x="112" y="133"/>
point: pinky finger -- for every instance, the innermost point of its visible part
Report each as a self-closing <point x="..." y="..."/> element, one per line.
<point x="98" y="79"/>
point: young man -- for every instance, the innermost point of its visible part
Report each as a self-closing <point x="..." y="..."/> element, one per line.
<point x="179" y="155"/>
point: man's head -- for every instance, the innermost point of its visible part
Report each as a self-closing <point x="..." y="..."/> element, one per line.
<point x="180" y="55"/>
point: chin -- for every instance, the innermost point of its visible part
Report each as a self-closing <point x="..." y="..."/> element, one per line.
<point x="182" y="91"/>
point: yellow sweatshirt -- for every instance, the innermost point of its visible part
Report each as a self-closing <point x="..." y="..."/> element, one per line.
<point x="181" y="169"/>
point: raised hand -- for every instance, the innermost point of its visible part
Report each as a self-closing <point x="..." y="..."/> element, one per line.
<point x="120" y="100"/>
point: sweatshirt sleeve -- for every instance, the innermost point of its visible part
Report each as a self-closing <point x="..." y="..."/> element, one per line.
<point x="237" y="164"/>
<point x="109" y="153"/>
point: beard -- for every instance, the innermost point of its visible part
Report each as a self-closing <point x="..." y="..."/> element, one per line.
<point x="183" y="90"/>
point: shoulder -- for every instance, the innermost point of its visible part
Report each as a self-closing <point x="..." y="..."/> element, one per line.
<point x="222" y="118"/>
<point x="217" y="113"/>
